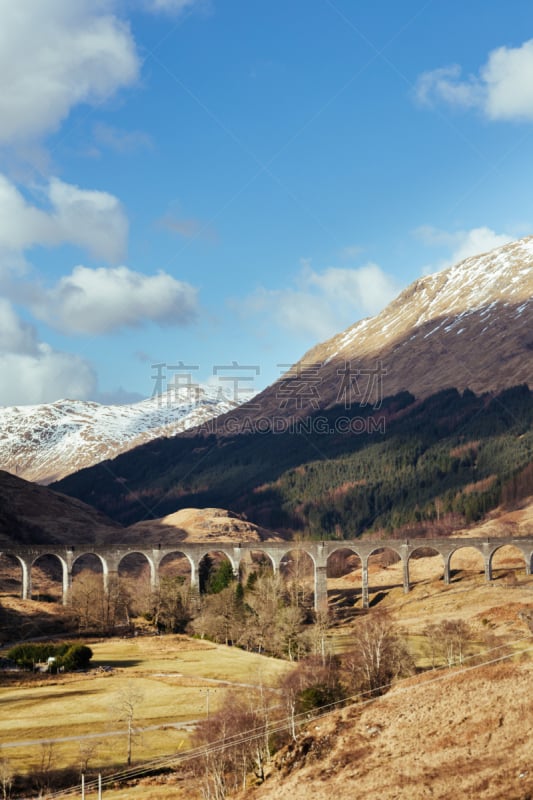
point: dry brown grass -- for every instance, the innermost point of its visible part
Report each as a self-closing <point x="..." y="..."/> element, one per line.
<point x="466" y="736"/>
<point x="172" y="673"/>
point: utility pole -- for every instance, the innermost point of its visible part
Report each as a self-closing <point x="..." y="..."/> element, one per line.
<point x="207" y="698"/>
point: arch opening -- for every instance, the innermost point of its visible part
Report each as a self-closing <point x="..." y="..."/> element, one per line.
<point x="176" y="565"/>
<point x="385" y="572"/>
<point x="343" y="577"/>
<point x="254" y="565"/>
<point x="215" y="572"/>
<point x="133" y="584"/>
<point x="11" y="575"/>
<point x="87" y="562"/>
<point x="297" y="569"/>
<point x="170" y="600"/>
<point x="47" y="576"/>
<point x="508" y="564"/>
<point x="466" y="562"/>
<point x="426" y="565"/>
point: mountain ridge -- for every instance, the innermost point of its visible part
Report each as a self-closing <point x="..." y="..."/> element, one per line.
<point x="469" y="326"/>
<point x="466" y="327"/>
<point x="450" y="359"/>
<point x="45" y="442"/>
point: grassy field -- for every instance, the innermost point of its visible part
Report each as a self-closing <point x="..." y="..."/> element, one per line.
<point x="175" y="679"/>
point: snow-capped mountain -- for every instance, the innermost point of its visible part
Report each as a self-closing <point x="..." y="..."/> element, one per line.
<point x="44" y="443"/>
<point x="468" y="326"/>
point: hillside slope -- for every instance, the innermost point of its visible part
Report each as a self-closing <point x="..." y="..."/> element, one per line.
<point x="32" y="514"/>
<point x="463" y="734"/>
<point x="449" y="454"/>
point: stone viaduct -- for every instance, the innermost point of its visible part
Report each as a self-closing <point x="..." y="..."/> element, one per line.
<point x="110" y="557"/>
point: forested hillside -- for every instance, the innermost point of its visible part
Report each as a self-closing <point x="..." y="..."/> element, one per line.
<point x="451" y="457"/>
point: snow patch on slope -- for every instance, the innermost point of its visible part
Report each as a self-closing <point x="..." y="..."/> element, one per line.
<point x="480" y="285"/>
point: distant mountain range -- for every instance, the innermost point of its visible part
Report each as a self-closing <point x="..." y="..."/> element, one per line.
<point x="469" y="326"/>
<point x="44" y="443"/>
<point x="420" y="413"/>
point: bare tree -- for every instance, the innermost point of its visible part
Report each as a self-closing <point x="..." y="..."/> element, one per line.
<point x="379" y="655"/>
<point x="222" y="617"/>
<point x="299" y="574"/>
<point x="433" y="642"/>
<point x="318" y="636"/>
<point x="289" y="633"/>
<point x="125" y="706"/>
<point x="235" y="744"/>
<point x="42" y="774"/>
<point x="7" y="775"/>
<point x="87" y="750"/>
<point x="96" y="608"/>
<point x="170" y="604"/>
<point x="451" y="639"/>
<point x="265" y="601"/>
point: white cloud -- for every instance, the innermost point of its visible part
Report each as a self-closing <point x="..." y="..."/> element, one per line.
<point x="16" y="336"/>
<point x="44" y="377"/>
<point x="461" y="244"/>
<point x="503" y="90"/>
<point x="55" y="54"/>
<point x="323" y="303"/>
<point x="93" y="220"/>
<point x="32" y="371"/>
<point x="508" y="76"/>
<point x="444" y="84"/>
<point x="99" y="301"/>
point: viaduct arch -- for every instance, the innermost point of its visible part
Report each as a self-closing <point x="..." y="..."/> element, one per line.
<point x="319" y="552"/>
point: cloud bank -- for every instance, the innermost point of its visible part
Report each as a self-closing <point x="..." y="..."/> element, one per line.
<point x="322" y="303"/>
<point x="32" y="371"/>
<point x="461" y="244"/>
<point x="502" y="90"/>
<point x="104" y="300"/>
<point x="56" y="54"/>
<point x="93" y="220"/>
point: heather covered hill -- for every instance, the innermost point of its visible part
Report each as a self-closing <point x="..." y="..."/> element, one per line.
<point x="196" y="525"/>
<point x="33" y="514"/>
<point x="463" y="734"/>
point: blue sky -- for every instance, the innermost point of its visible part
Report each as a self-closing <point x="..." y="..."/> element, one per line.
<point x="219" y="181"/>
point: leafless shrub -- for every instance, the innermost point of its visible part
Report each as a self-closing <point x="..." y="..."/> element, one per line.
<point x="379" y="655"/>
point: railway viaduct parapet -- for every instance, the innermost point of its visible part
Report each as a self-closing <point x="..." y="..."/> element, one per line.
<point x="111" y="557"/>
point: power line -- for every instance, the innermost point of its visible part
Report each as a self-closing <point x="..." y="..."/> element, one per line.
<point x="253" y="734"/>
